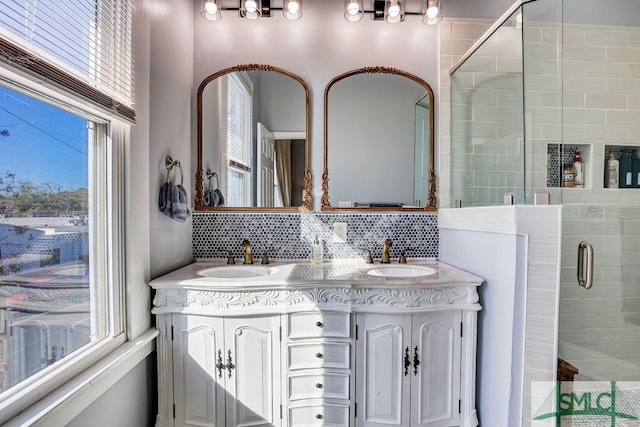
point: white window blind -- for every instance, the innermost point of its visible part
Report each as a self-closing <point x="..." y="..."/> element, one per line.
<point x="82" y="45"/>
<point x="238" y="123"/>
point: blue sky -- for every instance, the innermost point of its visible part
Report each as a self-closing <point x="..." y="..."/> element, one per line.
<point x="45" y="145"/>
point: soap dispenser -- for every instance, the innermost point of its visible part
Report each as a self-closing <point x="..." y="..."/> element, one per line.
<point x="317" y="251"/>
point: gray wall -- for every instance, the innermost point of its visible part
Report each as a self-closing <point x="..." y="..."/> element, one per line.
<point x="171" y="84"/>
<point x="282" y="103"/>
<point x="131" y="402"/>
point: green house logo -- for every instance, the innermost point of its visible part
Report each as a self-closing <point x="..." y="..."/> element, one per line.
<point x="594" y="404"/>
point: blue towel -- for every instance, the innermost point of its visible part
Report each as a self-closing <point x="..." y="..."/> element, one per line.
<point x="173" y="201"/>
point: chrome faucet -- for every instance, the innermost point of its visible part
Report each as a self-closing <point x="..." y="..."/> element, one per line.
<point x="385" y="251"/>
<point x="248" y="255"/>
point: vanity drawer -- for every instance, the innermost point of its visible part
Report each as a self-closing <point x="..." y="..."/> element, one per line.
<point x="317" y="325"/>
<point x="319" y="355"/>
<point x="317" y="386"/>
<point x="319" y="415"/>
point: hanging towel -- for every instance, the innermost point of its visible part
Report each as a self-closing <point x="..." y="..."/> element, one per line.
<point x="213" y="197"/>
<point x="173" y="201"/>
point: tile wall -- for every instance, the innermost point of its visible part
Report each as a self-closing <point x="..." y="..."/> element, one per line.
<point x="456" y="37"/>
<point x="292" y="233"/>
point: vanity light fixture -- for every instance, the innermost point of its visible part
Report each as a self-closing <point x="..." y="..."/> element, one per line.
<point x="393" y="11"/>
<point x="251" y="9"/>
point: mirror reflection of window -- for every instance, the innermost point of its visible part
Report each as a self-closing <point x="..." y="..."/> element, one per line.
<point x="238" y="140"/>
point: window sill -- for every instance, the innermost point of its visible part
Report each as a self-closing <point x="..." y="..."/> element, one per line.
<point x="72" y="397"/>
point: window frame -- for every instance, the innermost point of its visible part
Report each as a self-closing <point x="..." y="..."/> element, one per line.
<point x="242" y="80"/>
<point x="113" y="136"/>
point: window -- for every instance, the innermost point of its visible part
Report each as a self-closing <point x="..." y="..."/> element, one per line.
<point x="55" y="288"/>
<point x="61" y="186"/>
<point x="239" y="153"/>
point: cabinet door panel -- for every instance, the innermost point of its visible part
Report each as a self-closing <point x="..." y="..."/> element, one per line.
<point x="199" y="395"/>
<point x="253" y="389"/>
<point x="435" y="388"/>
<point x="382" y="392"/>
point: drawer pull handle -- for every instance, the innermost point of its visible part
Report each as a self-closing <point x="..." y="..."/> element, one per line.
<point x="319" y="355"/>
<point x="319" y="385"/>
<point x="319" y="324"/>
<point x="319" y="416"/>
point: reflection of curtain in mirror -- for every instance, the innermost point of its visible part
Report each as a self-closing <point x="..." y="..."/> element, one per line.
<point x="283" y="169"/>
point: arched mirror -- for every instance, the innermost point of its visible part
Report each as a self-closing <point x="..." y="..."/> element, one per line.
<point x="379" y="142"/>
<point x="253" y="140"/>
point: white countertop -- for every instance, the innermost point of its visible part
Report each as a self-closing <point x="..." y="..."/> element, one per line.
<point x="301" y="274"/>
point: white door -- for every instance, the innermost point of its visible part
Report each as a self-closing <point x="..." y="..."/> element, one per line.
<point x="266" y="166"/>
<point x="253" y="385"/>
<point x="199" y="394"/>
<point x="382" y="385"/>
<point x="435" y="381"/>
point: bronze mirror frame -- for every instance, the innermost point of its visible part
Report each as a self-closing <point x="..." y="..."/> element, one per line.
<point x="307" y="202"/>
<point x="432" y="201"/>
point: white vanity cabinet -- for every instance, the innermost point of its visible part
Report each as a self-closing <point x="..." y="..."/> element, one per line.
<point x="408" y="369"/>
<point x="226" y="371"/>
<point x="328" y="346"/>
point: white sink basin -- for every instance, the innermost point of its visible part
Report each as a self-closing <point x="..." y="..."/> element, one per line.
<point x="400" y="271"/>
<point x="237" y="272"/>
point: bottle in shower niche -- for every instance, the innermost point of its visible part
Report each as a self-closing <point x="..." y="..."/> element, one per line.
<point x="317" y="251"/>
<point x="636" y="170"/>
<point x="626" y="170"/>
<point x="612" y="169"/>
<point x="578" y="166"/>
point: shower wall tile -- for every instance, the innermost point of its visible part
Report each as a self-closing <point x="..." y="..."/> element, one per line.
<point x="291" y="234"/>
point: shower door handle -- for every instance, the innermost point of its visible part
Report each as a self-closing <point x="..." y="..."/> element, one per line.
<point x="583" y="247"/>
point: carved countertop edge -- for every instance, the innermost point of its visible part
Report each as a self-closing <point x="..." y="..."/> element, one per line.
<point x="341" y="298"/>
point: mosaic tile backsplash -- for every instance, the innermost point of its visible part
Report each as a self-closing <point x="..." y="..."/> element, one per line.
<point x="291" y="234"/>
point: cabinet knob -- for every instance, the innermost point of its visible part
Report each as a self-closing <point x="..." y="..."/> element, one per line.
<point x="319" y="324"/>
<point x="319" y="416"/>
<point x="319" y="385"/>
<point x="319" y="355"/>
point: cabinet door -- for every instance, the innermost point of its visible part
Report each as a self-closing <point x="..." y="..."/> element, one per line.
<point x="253" y="386"/>
<point x="382" y="393"/>
<point x="199" y="393"/>
<point x="435" y="388"/>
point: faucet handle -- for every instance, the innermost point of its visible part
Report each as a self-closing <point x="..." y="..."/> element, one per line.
<point x="230" y="258"/>
<point x="368" y="259"/>
<point x="265" y="258"/>
<point x="403" y="259"/>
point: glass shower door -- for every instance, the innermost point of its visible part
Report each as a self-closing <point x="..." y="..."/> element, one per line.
<point x="599" y="328"/>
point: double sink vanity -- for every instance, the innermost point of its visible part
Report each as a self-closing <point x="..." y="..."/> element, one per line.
<point x="337" y="343"/>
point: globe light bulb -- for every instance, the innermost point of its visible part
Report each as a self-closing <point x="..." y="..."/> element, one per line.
<point x="394" y="11"/>
<point x="293" y="7"/>
<point x="251" y="6"/>
<point x="211" y="7"/>
<point x="353" y="9"/>
<point x="432" y="12"/>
